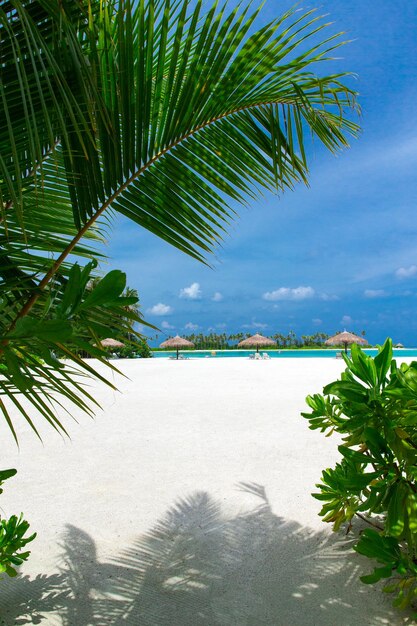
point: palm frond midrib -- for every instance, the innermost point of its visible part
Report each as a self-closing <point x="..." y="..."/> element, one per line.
<point x="188" y="134"/>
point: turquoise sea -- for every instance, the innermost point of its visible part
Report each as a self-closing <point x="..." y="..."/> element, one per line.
<point x="275" y="354"/>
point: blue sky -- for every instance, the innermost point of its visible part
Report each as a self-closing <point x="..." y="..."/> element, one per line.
<point x="339" y="254"/>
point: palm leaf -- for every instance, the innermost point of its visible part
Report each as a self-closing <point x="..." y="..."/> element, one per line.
<point x="202" y="111"/>
<point x="200" y="98"/>
<point x="188" y="111"/>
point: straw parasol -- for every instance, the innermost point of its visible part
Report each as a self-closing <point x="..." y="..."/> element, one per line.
<point x="345" y="338"/>
<point x="177" y="342"/>
<point x="111" y="343"/>
<point x="258" y="341"/>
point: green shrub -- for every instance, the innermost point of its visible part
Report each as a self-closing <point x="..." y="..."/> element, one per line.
<point x="374" y="407"/>
<point x="12" y="537"/>
<point x="132" y="350"/>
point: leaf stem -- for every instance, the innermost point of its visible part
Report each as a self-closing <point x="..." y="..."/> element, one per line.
<point x="362" y="517"/>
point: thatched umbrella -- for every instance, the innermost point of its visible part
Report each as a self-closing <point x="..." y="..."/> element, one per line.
<point x="256" y="341"/>
<point x="177" y="342"/>
<point x="345" y="338"/>
<point x="111" y="343"/>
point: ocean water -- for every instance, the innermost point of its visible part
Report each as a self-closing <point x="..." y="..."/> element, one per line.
<point x="276" y="354"/>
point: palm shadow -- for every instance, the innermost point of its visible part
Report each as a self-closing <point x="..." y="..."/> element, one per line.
<point x="198" y="566"/>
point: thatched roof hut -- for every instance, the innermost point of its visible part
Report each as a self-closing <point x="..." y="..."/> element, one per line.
<point x="111" y="343"/>
<point x="256" y="341"/>
<point x="345" y="338"/>
<point x="177" y="342"/>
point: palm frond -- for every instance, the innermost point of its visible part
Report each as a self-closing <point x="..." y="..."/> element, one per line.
<point x="203" y="111"/>
<point x="183" y="111"/>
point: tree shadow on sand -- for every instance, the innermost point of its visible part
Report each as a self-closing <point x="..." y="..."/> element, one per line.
<point x="197" y="566"/>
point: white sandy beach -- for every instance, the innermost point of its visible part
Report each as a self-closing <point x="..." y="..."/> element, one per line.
<point x="219" y="444"/>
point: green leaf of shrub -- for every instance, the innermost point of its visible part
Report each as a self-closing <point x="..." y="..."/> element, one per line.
<point x="377" y="575"/>
<point x="383" y="360"/>
<point x="5" y="474"/>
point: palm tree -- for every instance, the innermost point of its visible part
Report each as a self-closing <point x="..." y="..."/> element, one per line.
<point x="126" y="107"/>
<point x="291" y="338"/>
<point x="130" y="309"/>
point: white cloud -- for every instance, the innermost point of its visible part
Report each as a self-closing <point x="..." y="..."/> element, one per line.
<point x="317" y="322"/>
<point x="212" y="329"/>
<point x="287" y="293"/>
<point x="406" y="272"/>
<point x="217" y="297"/>
<point x="328" y="297"/>
<point x="346" y="320"/>
<point x="191" y="326"/>
<point x="193" y="292"/>
<point x="160" y="309"/>
<point x="374" y="293"/>
<point x="254" y="324"/>
<point x="166" y="325"/>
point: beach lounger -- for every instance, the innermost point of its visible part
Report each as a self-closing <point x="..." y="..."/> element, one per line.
<point x="339" y="355"/>
<point x="265" y="356"/>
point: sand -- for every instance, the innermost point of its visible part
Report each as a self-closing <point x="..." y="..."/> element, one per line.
<point x="186" y="502"/>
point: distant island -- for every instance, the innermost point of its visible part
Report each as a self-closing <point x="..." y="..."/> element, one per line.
<point x="224" y="341"/>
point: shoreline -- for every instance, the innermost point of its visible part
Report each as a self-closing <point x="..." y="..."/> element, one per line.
<point x="298" y="353"/>
<point x="375" y="349"/>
